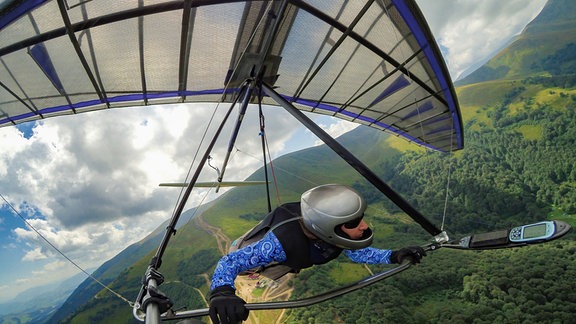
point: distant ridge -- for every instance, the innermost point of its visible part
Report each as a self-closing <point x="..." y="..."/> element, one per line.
<point x="552" y="31"/>
<point x="109" y="271"/>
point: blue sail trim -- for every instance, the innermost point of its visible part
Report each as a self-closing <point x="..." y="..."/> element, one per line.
<point x="399" y="83"/>
<point x="177" y="94"/>
<point x="17" y="12"/>
<point x="41" y="57"/>
<point x="356" y="116"/>
<point x="418" y="110"/>
<point x="121" y="98"/>
<point x="438" y="68"/>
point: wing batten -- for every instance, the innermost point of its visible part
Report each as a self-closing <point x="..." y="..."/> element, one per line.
<point x="80" y="54"/>
<point x="188" y="16"/>
<point x="363" y="41"/>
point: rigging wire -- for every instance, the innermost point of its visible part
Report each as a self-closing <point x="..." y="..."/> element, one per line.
<point x="409" y="75"/>
<point x="63" y="254"/>
<point x="188" y="174"/>
<point x="262" y="133"/>
<point x="272" y="169"/>
<point x="279" y="168"/>
<point x="447" y="190"/>
<point x="266" y="151"/>
<point x="450" y="158"/>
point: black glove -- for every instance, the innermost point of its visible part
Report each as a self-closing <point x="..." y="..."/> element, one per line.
<point x="414" y="253"/>
<point x="226" y="307"/>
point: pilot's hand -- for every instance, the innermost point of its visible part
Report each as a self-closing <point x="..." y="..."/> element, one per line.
<point x="413" y="253"/>
<point x="226" y="307"/>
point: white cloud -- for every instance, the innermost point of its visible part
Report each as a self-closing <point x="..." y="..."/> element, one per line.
<point x="334" y="127"/>
<point x="22" y="280"/>
<point x="51" y="267"/>
<point x="89" y="183"/>
<point x="12" y="143"/>
<point x="470" y="31"/>
<point x="34" y="255"/>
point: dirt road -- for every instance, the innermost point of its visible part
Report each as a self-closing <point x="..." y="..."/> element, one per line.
<point x="278" y="290"/>
<point x="221" y="239"/>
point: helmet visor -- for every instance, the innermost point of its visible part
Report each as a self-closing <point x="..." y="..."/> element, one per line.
<point x="353" y="223"/>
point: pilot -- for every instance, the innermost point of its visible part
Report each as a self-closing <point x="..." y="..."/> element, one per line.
<point x="327" y="221"/>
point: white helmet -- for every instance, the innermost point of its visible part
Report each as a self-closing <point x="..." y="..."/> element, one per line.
<point x="325" y="208"/>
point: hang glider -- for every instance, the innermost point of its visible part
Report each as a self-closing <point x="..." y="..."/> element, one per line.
<point x="371" y="62"/>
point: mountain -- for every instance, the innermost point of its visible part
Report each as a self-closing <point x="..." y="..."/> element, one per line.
<point x="110" y="270"/>
<point x="38" y="303"/>
<point x="546" y="48"/>
<point x="517" y="168"/>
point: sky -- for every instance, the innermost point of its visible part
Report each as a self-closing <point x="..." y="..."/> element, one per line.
<point x="89" y="183"/>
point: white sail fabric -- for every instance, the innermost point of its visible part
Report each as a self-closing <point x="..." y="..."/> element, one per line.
<point x="371" y="62"/>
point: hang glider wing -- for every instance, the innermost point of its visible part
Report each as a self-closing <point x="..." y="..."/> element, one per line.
<point x="214" y="184"/>
<point x="371" y="62"/>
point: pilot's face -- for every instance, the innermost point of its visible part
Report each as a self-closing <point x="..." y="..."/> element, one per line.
<point x="356" y="232"/>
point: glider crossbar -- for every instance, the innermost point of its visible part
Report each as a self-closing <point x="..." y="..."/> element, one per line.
<point x="301" y="302"/>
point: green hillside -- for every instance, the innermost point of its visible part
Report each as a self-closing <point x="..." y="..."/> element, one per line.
<point x="546" y="48"/>
<point x="517" y="167"/>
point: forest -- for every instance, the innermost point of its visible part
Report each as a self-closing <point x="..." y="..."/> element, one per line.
<point x="517" y="168"/>
<point x="524" y="285"/>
